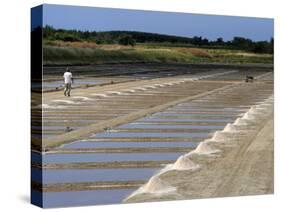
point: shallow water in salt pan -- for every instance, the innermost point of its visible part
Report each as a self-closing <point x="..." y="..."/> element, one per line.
<point x="91" y="175"/>
<point x="154" y="126"/>
<point x="150" y="135"/>
<point x="185" y="120"/>
<point x="75" y="198"/>
<point x="91" y="144"/>
<point x="108" y="157"/>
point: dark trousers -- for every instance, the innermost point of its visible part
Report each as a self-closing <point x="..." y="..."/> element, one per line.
<point x="67" y="89"/>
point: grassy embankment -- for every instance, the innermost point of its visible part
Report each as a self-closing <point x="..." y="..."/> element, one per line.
<point x="72" y="53"/>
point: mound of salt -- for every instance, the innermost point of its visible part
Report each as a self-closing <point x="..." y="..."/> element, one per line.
<point x="83" y="98"/>
<point x="64" y="101"/>
<point x="184" y="163"/>
<point x="240" y="121"/>
<point x="253" y="110"/>
<point x="158" y="85"/>
<point x="47" y="106"/>
<point x="229" y="128"/>
<point x="257" y="110"/>
<point x="143" y="88"/>
<point x="156" y="185"/>
<point x="131" y="90"/>
<point x="254" y="113"/>
<point x="248" y="115"/>
<point x="218" y="136"/>
<point x="148" y="86"/>
<point x="205" y="148"/>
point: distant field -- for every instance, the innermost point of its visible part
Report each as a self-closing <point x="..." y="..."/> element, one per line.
<point x="71" y="53"/>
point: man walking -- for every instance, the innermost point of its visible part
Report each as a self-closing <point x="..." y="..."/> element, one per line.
<point x="68" y="80"/>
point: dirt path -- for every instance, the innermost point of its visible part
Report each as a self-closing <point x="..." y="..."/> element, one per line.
<point x="253" y="173"/>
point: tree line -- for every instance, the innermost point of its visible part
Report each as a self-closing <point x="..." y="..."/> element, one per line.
<point x="133" y="37"/>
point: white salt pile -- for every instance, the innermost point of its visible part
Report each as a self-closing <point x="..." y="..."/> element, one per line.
<point x="129" y="90"/>
<point x="83" y="98"/>
<point x="230" y="128"/>
<point x="47" y="106"/>
<point x="188" y="79"/>
<point x="159" y="85"/>
<point x="141" y="88"/>
<point x="219" y="136"/>
<point x="256" y="112"/>
<point x="168" y="84"/>
<point x="205" y="148"/>
<point x="65" y="101"/>
<point x="240" y="121"/>
<point x="154" y="186"/>
<point x="248" y="116"/>
<point x="184" y="163"/>
<point x="150" y="86"/>
<point x="157" y="186"/>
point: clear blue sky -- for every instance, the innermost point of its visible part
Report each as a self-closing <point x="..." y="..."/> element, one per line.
<point x="181" y="24"/>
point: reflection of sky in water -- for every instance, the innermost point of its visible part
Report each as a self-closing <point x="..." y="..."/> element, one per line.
<point x="197" y="108"/>
<point x="75" y="198"/>
<point x="123" y="144"/>
<point x="139" y="125"/>
<point x="185" y="120"/>
<point x="174" y="115"/>
<point x="108" y="157"/>
<point x="150" y="134"/>
<point x="91" y="175"/>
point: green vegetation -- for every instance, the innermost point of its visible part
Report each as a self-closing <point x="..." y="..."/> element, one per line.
<point x="83" y="47"/>
<point x="79" y="55"/>
<point x="131" y="37"/>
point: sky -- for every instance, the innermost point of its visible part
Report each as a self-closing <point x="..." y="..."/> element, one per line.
<point x="170" y="23"/>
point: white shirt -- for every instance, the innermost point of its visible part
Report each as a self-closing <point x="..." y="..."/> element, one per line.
<point x="67" y="77"/>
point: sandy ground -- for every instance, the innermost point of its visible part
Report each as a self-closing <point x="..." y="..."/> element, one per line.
<point x="244" y="166"/>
